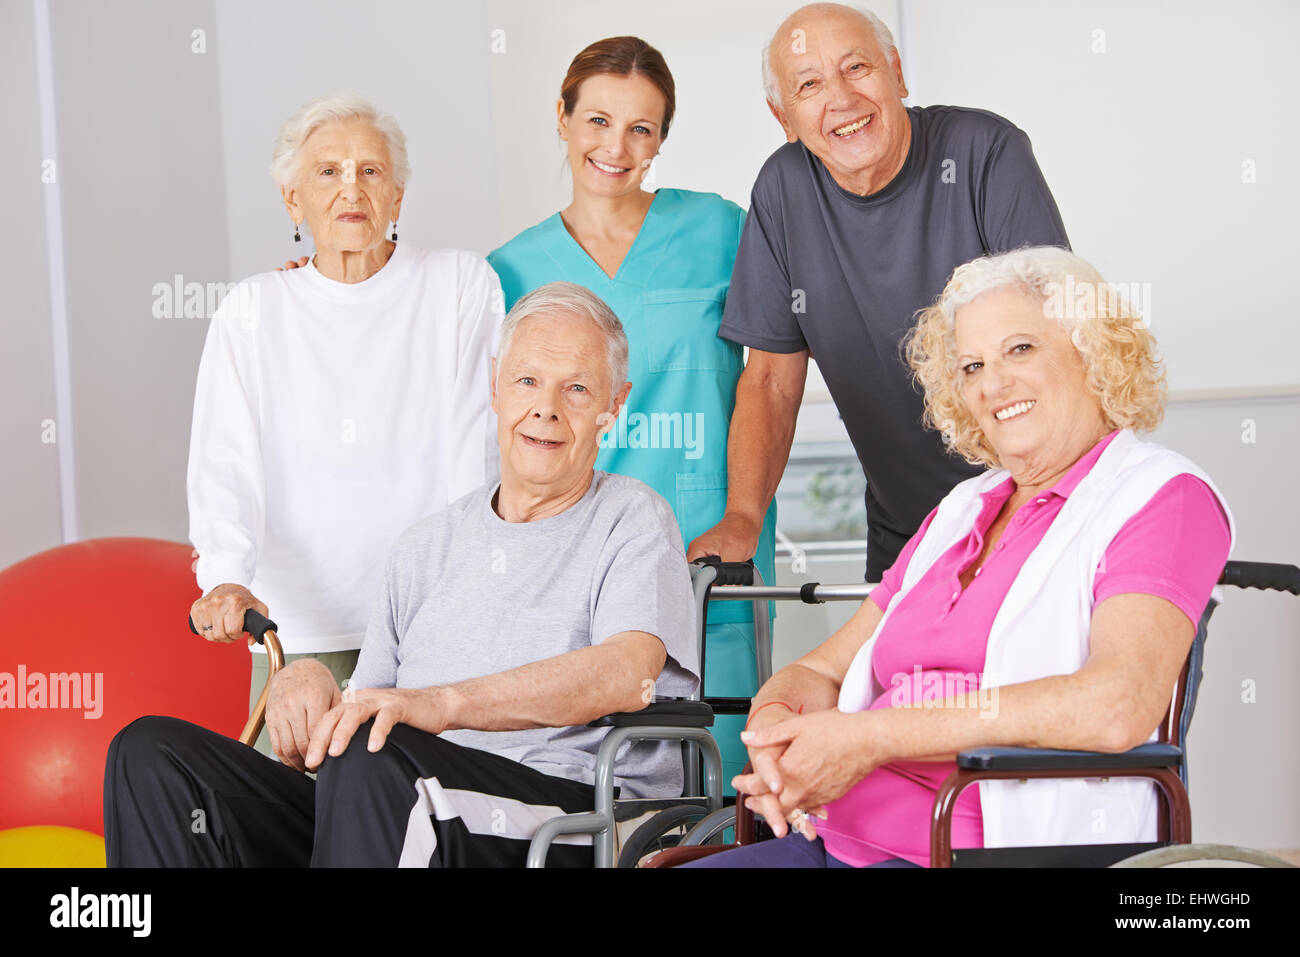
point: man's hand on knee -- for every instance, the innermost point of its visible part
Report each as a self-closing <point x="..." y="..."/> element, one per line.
<point x="301" y="694"/>
<point x="423" y="708"/>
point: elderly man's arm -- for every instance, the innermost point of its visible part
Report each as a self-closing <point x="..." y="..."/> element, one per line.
<point x="1111" y="704"/>
<point x="758" y="447"/>
<point x="758" y="314"/>
<point x="569" y="689"/>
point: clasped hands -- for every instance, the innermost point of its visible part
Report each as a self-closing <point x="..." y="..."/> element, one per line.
<point x="803" y="762"/>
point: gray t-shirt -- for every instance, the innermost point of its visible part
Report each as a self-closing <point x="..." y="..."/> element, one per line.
<point x="819" y="268"/>
<point x="467" y="594"/>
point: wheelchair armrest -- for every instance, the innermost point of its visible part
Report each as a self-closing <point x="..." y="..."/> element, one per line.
<point x="669" y="712"/>
<point x="676" y="856"/>
<point x="729" y="705"/>
<point x="1151" y="755"/>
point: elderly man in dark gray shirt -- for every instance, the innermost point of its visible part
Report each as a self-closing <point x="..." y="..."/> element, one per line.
<point x="506" y="623"/>
<point x="853" y="226"/>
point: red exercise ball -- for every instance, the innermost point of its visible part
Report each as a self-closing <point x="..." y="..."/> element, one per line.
<point x="114" y="612"/>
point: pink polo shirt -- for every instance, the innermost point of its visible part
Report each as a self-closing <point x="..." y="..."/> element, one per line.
<point x="1174" y="548"/>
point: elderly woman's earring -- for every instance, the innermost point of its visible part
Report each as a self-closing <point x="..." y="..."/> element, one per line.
<point x="394" y="232"/>
<point x="297" y="236"/>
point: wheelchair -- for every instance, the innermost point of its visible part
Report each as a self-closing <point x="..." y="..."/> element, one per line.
<point x="1163" y="761"/>
<point x="685" y="720"/>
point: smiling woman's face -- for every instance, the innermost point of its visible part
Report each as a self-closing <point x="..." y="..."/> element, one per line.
<point x="1025" y="383"/>
<point x="345" y="189"/>
<point x="614" y="133"/>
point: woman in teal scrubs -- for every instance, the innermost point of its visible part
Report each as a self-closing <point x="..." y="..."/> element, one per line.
<point x="662" y="261"/>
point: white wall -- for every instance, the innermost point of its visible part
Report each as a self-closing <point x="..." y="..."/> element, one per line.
<point x="29" y="483"/>
<point x="1143" y="146"/>
<point x="143" y="198"/>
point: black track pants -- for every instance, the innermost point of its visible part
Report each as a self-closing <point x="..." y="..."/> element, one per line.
<point x="178" y="795"/>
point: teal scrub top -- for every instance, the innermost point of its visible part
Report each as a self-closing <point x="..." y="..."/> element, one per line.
<point x="668" y="293"/>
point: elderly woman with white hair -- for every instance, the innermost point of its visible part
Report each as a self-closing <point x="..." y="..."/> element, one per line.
<point x="336" y="404"/>
<point x="1051" y="600"/>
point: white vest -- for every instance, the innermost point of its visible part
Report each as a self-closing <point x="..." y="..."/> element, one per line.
<point x="1051" y="598"/>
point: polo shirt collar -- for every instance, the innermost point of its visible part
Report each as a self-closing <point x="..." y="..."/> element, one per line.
<point x="1003" y="490"/>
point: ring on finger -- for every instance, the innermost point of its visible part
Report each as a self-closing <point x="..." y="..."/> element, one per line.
<point x="799" y="821"/>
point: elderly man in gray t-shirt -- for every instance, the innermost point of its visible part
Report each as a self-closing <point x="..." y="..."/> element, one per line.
<point x="506" y="623"/>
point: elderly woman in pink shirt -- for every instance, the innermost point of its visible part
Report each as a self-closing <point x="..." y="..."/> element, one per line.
<point x="1048" y="603"/>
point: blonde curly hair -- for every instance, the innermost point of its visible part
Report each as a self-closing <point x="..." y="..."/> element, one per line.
<point x="1117" y="349"/>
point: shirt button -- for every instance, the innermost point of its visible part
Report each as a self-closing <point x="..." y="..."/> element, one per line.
<point x="1042" y="501"/>
<point x="999" y="547"/>
<point x="956" y="595"/>
<point x="1020" y="520"/>
<point x="977" y="572"/>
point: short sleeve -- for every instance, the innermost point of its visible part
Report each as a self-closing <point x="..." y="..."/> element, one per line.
<point x="759" y="311"/>
<point x="377" y="663"/>
<point x="1014" y="205"/>
<point x="892" y="580"/>
<point x="645" y="585"/>
<point x="1174" y="548"/>
<point x="512" y="286"/>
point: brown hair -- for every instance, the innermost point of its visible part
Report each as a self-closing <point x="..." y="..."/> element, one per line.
<point x="620" y="56"/>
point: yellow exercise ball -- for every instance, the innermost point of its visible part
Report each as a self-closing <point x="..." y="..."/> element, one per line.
<point x="47" y="845"/>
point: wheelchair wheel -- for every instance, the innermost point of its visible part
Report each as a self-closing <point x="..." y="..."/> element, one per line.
<point x="711" y="828"/>
<point x="660" y="832"/>
<point x="1202" y="855"/>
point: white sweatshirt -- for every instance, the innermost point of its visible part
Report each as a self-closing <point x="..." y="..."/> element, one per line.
<point x="329" y="417"/>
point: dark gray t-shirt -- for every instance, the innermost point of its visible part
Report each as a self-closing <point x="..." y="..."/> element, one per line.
<point x="468" y="594"/>
<point x="861" y="267"/>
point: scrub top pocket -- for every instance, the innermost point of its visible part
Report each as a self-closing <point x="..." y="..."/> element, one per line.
<point x="701" y="502"/>
<point x="683" y="331"/>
